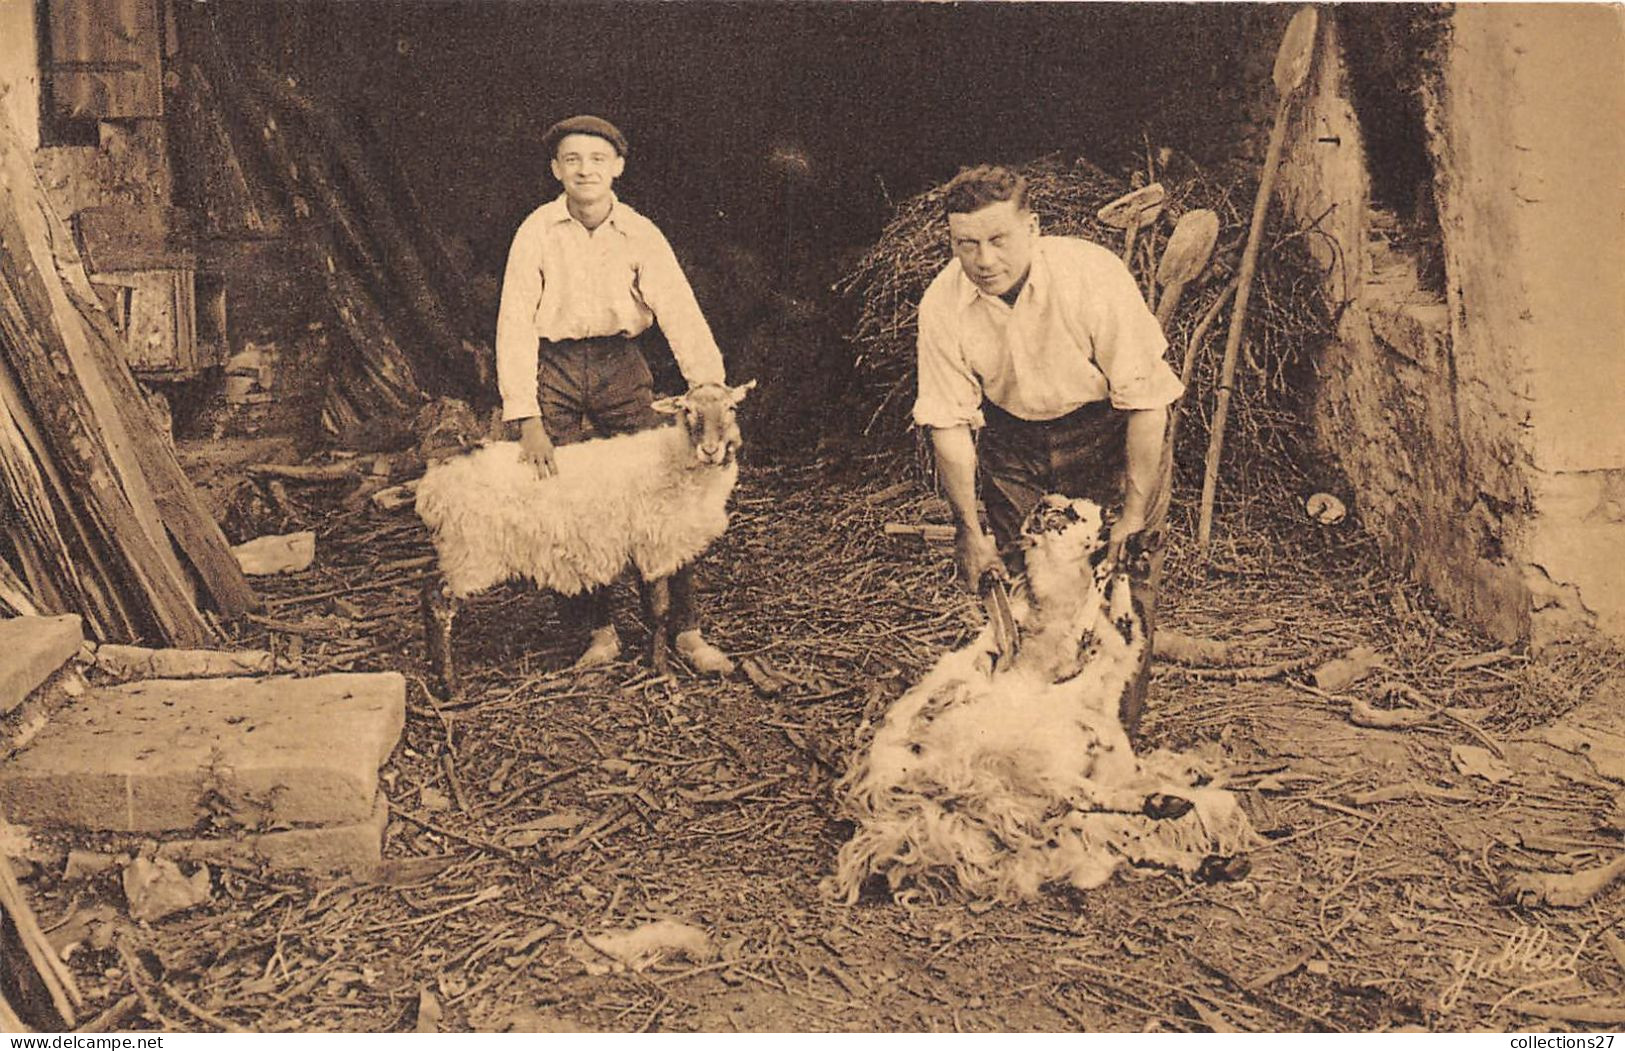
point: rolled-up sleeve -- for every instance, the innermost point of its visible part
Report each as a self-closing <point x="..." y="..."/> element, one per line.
<point x="662" y="285"/>
<point x="949" y="394"/>
<point x="516" y="323"/>
<point x="1129" y="343"/>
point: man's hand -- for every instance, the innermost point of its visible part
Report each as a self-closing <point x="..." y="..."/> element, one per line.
<point x="977" y="555"/>
<point x="536" y="448"/>
<point x="1126" y="526"/>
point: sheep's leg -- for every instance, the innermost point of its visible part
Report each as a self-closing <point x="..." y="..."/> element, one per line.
<point x="439" y="611"/>
<point x="658" y="593"/>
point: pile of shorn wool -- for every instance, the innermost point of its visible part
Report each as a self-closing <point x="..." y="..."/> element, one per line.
<point x="1010" y="777"/>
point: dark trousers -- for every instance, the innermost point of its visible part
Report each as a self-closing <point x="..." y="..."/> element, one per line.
<point x="1081" y="454"/>
<point x="597" y="388"/>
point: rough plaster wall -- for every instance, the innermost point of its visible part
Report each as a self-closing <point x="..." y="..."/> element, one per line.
<point x="1482" y="434"/>
<point x="19" y="67"/>
<point x="1431" y="474"/>
<point x="1566" y="120"/>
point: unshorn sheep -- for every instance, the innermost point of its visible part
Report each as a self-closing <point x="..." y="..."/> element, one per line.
<point x="1012" y="777"/>
<point x="654" y="500"/>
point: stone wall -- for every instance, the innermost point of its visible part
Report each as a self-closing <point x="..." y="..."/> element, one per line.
<point x="1479" y="425"/>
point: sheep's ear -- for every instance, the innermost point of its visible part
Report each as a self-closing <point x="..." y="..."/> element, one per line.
<point x="737" y="394"/>
<point x="669" y="406"/>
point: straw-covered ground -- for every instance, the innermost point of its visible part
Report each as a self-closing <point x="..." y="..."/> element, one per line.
<point x="553" y="808"/>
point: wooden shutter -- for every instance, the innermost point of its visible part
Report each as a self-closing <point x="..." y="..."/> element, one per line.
<point x="105" y="60"/>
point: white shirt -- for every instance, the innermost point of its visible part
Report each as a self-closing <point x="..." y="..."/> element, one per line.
<point x="564" y="281"/>
<point x="1079" y="332"/>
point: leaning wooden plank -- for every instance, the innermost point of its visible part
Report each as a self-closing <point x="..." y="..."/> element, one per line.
<point x="15" y="595"/>
<point x="49" y="260"/>
<point x="51" y="381"/>
<point x="183" y="513"/>
<point x="65" y="995"/>
<point x="106" y="613"/>
<point x="157" y="599"/>
<point x="165" y="501"/>
<point x="29" y="520"/>
<point x="198" y="131"/>
<point x="105" y="524"/>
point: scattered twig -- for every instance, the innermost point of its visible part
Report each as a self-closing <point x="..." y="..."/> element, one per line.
<point x="112" y="1018"/>
<point x="1250" y="674"/>
<point x="207" y="1017"/>
<point x="731" y="794"/>
<point x="1585" y="1014"/>
<point x="481" y="844"/>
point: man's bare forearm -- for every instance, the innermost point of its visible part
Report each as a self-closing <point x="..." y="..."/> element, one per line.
<point x="1146" y="429"/>
<point x="956" y="466"/>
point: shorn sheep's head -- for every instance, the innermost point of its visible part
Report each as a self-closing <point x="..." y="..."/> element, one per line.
<point x="1065" y="538"/>
<point x="1073" y="529"/>
<point x="706" y="414"/>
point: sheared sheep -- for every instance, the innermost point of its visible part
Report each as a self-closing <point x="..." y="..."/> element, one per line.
<point x="654" y="500"/>
<point x="1013" y="777"/>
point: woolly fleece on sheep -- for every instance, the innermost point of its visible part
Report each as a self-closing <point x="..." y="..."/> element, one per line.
<point x="638" y="498"/>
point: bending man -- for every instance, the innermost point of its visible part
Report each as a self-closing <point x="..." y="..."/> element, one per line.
<point x="1041" y="370"/>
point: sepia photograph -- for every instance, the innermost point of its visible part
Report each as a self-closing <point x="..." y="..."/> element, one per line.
<point x="811" y="516"/>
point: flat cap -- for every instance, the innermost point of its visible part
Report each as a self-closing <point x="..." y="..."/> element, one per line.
<point x="584" y="124"/>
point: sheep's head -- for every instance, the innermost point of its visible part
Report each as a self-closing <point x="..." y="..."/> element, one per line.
<point x="706" y="414"/>
<point x="1064" y="534"/>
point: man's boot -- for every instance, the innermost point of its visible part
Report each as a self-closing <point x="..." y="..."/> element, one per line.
<point x="700" y="655"/>
<point x="603" y="647"/>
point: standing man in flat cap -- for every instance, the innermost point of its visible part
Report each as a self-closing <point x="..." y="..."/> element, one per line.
<point x="586" y="278"/>
<point x="1041" y="370"/>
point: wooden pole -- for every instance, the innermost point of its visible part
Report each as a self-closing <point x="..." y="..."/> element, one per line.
<point x="1291" y="67"/>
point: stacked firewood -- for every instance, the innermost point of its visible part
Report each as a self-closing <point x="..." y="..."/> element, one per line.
<point x="96" y="516"/>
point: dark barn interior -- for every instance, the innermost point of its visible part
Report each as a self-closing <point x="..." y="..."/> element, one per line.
<point x="760" y="144"/>
<point x="788" y="129"/>
<point x="250" y="260"/>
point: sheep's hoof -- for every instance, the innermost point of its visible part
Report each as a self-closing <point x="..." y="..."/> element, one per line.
<point x="1160" y="806"/>
<point x="1218" y="868"/>
<point x="449" y="692"/>
<point x="660" y="656"/>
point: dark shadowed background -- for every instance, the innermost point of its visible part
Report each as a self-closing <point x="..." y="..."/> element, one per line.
<point x="785" y="128"/>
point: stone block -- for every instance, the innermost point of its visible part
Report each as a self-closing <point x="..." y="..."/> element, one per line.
<point x="355" y="849"/>
<point x="34" y="648"/>
<point x="166" y="754"/>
